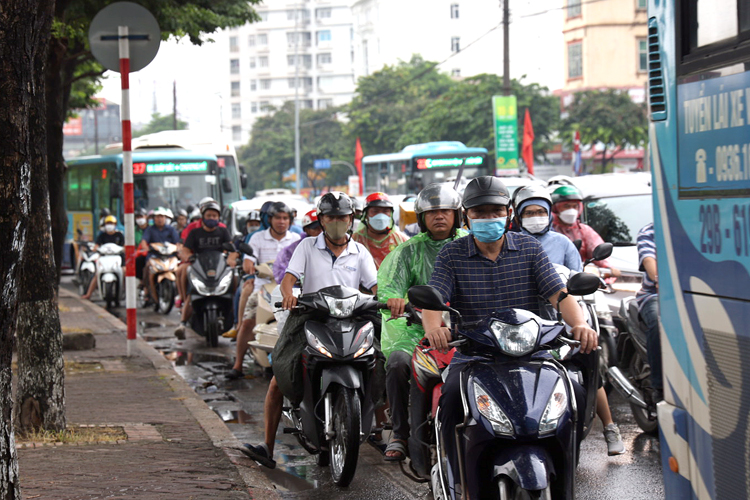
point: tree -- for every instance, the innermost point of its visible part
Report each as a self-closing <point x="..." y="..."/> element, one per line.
<point x="24" y="40"/>
<point x="161" y="122"/>
<point x="608" y="117"/>
<point x="464" y="113"/>
<point x="70" y="76"/>
<point x="388" y="99"/>
<point x="270" y="152"/>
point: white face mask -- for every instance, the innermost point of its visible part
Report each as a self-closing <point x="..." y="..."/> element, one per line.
<point x="569" y="216"/>
<point x="535" y="225"/>
<point x="140" y="221"/>
<point x="110" y="228"/>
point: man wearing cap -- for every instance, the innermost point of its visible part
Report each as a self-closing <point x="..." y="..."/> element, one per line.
<point x="378" y="233"/>
<point x="491" y="270"/>
<point x="160" y="232"/>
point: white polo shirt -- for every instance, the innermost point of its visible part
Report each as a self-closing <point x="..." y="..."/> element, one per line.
<point x="315" y="261"/>
<point x="266" y="247"/>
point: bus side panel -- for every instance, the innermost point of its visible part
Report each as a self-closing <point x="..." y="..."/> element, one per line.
<point x="673" y="441"/>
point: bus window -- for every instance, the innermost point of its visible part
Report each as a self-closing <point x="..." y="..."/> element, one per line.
<point x="84" y="189"/>
<point x="228" y="180"/>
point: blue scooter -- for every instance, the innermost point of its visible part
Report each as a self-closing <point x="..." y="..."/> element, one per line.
<point x="527" y="402"/>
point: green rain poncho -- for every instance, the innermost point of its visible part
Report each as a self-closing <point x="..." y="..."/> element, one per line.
<point x="409" y="264"/>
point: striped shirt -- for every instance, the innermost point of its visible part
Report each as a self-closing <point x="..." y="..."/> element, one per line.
<point x="477" y="286"/>
<point x="646" y="248"/>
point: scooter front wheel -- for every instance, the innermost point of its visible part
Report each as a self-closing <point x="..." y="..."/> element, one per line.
<point x="212" y="328"/>
<point x="645" y="418"/>
<point x="344" y="447"/>
<point x="507" y="489"/>
<point x="165" y="292"/>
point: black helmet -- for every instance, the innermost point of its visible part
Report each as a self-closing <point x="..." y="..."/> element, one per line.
<point x="279" y="207"/>
<point x="104" y="212"/>
<point x="335" y="203"/>
<point x="140" y="212"/>
<point x="566" y="193"/>
<point x="437" y="197"/>
<point x="486" y="190"/>
<point x="210" y="205"/>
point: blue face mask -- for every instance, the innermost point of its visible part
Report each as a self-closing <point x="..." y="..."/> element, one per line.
<point x="379" y="222"/>
<point x="210" y="223"/>
<point x="488" y="230"/>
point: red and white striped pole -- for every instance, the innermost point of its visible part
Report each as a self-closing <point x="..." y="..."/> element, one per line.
<point x="127" y="185"/>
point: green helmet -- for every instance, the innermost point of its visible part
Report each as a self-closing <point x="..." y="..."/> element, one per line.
<point x="566" y="193"/>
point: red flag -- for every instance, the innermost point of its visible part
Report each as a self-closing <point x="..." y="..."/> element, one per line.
<point x="358" y="155"/>
<point x="527" y="150"/>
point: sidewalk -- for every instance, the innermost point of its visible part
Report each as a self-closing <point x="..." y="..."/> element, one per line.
<point x="177" y="448"/>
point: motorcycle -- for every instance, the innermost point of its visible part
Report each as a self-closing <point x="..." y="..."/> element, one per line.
<point x="87" y="258"/>
<point x="336" y="412"/>
<point x="110" y="273"/>
<point x="522" y="425"/>
<point x="163" y="267"/>
<point x="636" y="386"/>
<point x="266" y="333"/>
<point x="212" y="293"/>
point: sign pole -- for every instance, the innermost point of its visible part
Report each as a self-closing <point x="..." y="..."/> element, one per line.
<point x="127" y="185"/>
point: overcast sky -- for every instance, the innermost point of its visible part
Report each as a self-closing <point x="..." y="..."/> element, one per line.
<point x="201" y="72"/>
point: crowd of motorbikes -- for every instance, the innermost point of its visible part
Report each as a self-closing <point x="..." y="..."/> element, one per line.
<point x="528" y="397"/>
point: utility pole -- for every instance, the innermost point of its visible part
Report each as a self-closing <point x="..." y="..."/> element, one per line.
<point x="174" y="104"/>
<point x="506" y="48"/>
<point x="297" y="172"/>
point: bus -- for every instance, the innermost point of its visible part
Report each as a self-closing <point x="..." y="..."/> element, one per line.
<point x="172" y="178"/>
<point x="418" y="165"/>
<point x="699" y="141"/>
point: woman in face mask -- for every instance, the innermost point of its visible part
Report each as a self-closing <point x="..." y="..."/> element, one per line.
<point x="567" y="206"/>
<point x="532" y="207"/>
<point x="377" y="231"/>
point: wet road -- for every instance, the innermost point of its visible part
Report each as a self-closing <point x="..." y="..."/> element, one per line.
<point x="634" y="475"/>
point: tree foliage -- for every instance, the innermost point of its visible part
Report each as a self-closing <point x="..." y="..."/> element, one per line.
<point x="608" y="117"/>
<point x="464" y="113"/>
<point x="160" y="123"/>
<point x="389" y="99"/>
<point x="270" y="153"/>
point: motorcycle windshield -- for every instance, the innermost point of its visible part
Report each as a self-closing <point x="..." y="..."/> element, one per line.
<point x="338" y="301"/>
<point x="483" y="333"/>
<point x="209" y="266"/>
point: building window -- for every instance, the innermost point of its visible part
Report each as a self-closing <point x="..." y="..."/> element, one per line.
<point x="323" y="13"/>
<point x="233" y="45"/>
<point x="325" y="103"/>
<point x="263" y="61"/>
<point x="264" y="107"/>
<point x="251" y="40"/>
<point x="324" y="36"/>
<point x="234" y="66"/>
<point x="253" y="85"/>
<point x="265" y="84"/>
<point x="642" y="55"/>
<point x="252" y="62"/>
<point x="262" y="39"/>
<point x="324" y="58"/>
<point x="263" y="16"/>
<point x="641" y="4"/>
<point x="305" y="60"/>
<point x="454" y="11"/>
<point x="304" y="82"/>
<point x="236" y="133"/>
<point x="236" y="111"/>
<point x="456" y="72"/>
<point x="574" y="8"/>
<point x="303" y="38"/>
<point x="455" y="44"/>
<point x="235" y="89"/>
<point x="293" y="14"/>
<point x="575" y="60"/>
<point x="253" y="107"/>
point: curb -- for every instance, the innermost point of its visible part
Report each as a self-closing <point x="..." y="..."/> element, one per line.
<point x="256" y="482"/>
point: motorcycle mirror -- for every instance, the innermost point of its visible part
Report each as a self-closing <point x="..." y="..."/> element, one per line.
<point x="427" y="297"/>
<point x="577" y="243"/>
<point x="228" y="247"/>
<point x="602" y="251"/>
<point x="583" y="284"/>
<point x="245" y="248"/>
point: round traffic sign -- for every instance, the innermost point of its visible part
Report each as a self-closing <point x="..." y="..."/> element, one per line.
<point x="144" y="35"/>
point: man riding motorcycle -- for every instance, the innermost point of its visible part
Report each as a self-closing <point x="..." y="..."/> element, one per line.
<point x="438" y="209"/>
<point x="378" y="233"/>
<point x="491" y="270"/>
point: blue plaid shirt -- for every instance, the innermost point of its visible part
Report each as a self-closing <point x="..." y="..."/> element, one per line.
<point x="477" y="286"/>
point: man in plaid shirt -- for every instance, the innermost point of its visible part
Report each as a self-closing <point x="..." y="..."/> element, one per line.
<point x="491" y="270"/>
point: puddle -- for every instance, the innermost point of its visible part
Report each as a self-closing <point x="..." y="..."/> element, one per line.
<point x="295" y="472"/>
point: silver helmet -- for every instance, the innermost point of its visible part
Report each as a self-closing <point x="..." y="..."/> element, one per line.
<point x="437" y="197"/>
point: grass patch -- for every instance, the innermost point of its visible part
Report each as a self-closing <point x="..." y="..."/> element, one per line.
<point x="74" y="435"/>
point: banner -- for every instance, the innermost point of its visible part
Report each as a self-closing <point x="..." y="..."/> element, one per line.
<point x="527" y="148"/>
<point x="505" y="120"/>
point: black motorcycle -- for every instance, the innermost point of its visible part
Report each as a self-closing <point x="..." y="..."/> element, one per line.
<point x="336" y="412"/>
<point x="212" y="294"/>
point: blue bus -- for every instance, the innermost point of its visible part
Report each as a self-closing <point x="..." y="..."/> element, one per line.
<point x="173" y="178"/>
<point x="699" y="99"/>
<point x="418" y="165"/>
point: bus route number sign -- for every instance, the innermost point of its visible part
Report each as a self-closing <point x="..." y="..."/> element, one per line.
<point x="169" y="168"/>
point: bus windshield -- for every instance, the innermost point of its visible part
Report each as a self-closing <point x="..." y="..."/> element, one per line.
<point x="172" y="191"/>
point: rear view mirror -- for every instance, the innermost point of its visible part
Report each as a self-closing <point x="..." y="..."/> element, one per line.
<point x="602" y="251"/>
<point x="245" y="248"/>
<point x="228" y="247"/>
<point x="583" y="284"/>
<point x="226" y="185"/>
<point x="243" y="181"/>
<point x="577" y="243"/>
<point x="426" y="297"/>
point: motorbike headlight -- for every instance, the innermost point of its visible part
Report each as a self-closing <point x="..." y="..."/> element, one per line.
<point x="367" y="331"/>
<point x="316" y="344"/>
<point x="516" y="340"/>
<point x="224" y="284"/>
<point x="200" y="287"/>
<point x="340" y="308"/>
<point x="491" y="411"/>
<point x="556" y="406"/>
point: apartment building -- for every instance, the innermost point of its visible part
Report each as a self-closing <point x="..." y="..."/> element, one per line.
<point x="605" y="47"/>
<point x="307" y="39"/>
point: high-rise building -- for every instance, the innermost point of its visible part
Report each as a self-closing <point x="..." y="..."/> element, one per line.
<point x="308" y="41"/>
<point x="605" y="47"/>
